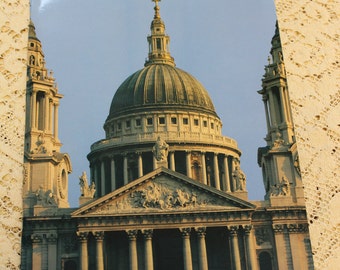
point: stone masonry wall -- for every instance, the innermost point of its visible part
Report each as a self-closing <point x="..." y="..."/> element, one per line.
<point x="14" y="16"/>
<point x="310" y="32"/>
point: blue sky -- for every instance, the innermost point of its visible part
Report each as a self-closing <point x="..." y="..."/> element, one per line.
<point x="93" y="46"/>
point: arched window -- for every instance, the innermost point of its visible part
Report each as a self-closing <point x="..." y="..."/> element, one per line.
<point x="32" y="60"/>
<point x="265" y="261"/>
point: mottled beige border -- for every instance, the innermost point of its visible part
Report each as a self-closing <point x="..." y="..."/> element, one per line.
<point x="310" y="35"/>
<point x="13" y="54"/>
<point x="310" y="32"/>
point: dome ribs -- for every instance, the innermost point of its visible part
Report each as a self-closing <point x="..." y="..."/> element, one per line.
<point x="160" y="85"/>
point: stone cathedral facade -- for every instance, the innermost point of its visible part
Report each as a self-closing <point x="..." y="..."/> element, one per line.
<point x="166" y="189"/>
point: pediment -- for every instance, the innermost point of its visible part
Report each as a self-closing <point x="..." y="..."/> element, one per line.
<point x="162" y="191"/>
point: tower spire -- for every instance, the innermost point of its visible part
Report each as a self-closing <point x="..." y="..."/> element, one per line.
<point x="158" y="41"/>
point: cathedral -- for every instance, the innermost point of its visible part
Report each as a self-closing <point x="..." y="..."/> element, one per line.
<point x="166" y="189"/>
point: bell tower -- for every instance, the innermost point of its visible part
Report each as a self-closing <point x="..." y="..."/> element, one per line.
<point x="46" y="169"/>
<point x="279" y="159"/>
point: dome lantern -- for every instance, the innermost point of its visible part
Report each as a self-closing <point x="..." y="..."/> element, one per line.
<point x="158" y="41"/>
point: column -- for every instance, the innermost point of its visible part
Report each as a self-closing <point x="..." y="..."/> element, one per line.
<point x="265" y="102"/>
<point x="113" y="173"/>
<point x="297" y="234"/>
<point x="37" y="251"/>
<point x="34" y="110"/>
<point x="250" y="248"/>
<point x="154" y="162"/>
<point x="46" y="112"/>
<point x="283" y="102"/>
<point x="50" y="112"/>
<point x="125" y="169"/>
<point x="96" y="177"/>
<point x="56" y="121"/>
<point x="235" y="252"/>
<point x="202" y="250"/>
<point x="216" y="172"/>
<point x="148" y="256"/>
<point x="102" y="176"/>
<point x="52" y="251"/>
<point x="133" y="261"/>
<point x="172" y="160"/>
<point x="188" y="164"/>
<point x="84" y="260"/>
<point x="99" y="236"/>
<point x="56" y="106"/>
<point x="187" y="258"/>
<point x="140" y="165"/>
<point x="44" y="254"/>
<point x="226" y="174"/>
<point x="272" y="109"/>
<point x="204" y="167"/>
<point x="280" y="243"/>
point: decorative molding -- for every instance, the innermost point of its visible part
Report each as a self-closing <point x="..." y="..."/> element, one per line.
<point x="297" y="228"/>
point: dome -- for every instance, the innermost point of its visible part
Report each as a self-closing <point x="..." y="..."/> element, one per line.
<point x="160" y="86"/>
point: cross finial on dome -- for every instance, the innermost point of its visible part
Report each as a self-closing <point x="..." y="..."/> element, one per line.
<point x="156" y="8"/>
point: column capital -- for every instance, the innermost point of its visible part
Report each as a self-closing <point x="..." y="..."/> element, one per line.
<point x="185" y="231"/>
<point x="278" y="228"/>
<point x="36" y="238"/>
<point x="297" y="228"/>
<point x="247" y="228"/>
<point x="201" y="231"/>
<point x="82" y="236"/>
<point x="52" y="237"/>
<point x="132" y="234"/>
<point x="98" y="235"/>
<point x="147" y="233"/>
<point x="233" y="230"/>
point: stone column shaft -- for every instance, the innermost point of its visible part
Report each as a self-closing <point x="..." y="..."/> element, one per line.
<point x="283" y="103"/>
<point x="84" y="260"/>
<point x="235" y="252"/>
<point x="172" y="161"/>
<point x="113" y="174"/>
<point x="188" y="164"/>
<point x="37" y="254"/>
<point x="148" y="255"/>
<point x="226" y="174"/>
<point x="34" y="110"/>
<point x="140" y="165"/>
<point x="56" y="134"/>
<point x="216" y="172"/>
<point x="202" y="250"/>
<point x="250" y="248"/>
<point x="204" y="167"/>
<point x="265" y="102"/>
<point x="46" y="112"/>
<point x="133" y="261"/>
<point x="187" y="257"/>
<point x="126" y="175"/>
<point x="52" y="251"/>
<point x="99" y="236"/>
<point x="102" y="170"/>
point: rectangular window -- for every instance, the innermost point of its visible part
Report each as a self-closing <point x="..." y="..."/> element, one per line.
<point x="196" y="122"/>
<point x="128" y="124"/>
<point x="185" y="121"/>
<point x="119" y="125"/>
<point x="149" y="121"/>
<point x="212" y="125"/>
<point x="205" y="123"/>
<point x="138" y="122"/>
<point x="161" y="120"/>
<point x="174" y="120"/>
